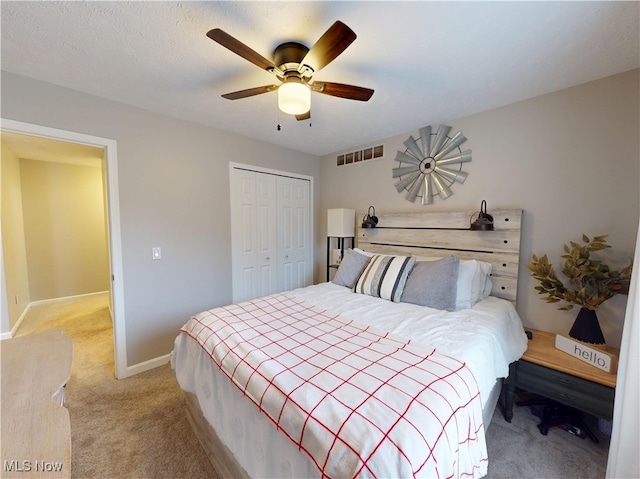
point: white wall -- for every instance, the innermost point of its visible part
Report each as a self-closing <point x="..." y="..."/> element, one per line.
<point x="64" y="225"/>
<point x="4" y="307"/>
<point x="570" y="159"/>
<point x="13" y="242"/>
<point x="174" y="193"/>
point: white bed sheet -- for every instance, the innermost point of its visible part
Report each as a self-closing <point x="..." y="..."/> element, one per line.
<point x="486" y="337"/>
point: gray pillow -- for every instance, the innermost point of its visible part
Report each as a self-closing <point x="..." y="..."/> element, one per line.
<point x="433" y="284"/>
<point x="350" y="269"/>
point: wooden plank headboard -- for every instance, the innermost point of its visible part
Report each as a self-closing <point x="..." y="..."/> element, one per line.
<point x="429" y="234"/>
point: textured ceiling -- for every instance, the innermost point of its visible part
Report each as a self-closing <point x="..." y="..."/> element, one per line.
<point x="428" y="62"/>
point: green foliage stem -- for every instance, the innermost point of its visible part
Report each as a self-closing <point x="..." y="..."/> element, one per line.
<point x="591" y="281"/>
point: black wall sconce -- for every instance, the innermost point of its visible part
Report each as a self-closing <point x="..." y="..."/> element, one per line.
<point x="484" y="221"/>
<point x="370" y="220"/>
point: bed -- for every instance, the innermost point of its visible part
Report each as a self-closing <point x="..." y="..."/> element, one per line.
<point x="365" y="379"/>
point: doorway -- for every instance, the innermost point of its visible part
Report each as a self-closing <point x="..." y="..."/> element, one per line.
<point x="108" y="166"/>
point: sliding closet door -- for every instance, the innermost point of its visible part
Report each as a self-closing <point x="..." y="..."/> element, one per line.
<point x="293" y="233"/>
<point x="270" y="233"/>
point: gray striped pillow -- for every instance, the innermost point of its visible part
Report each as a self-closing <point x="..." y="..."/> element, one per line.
<point x="385" y="277"/>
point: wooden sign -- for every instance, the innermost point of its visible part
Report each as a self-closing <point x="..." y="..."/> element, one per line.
<point x="596" y="357"/>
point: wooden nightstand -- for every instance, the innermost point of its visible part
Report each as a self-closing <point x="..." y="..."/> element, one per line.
<point x="556" y="375"/>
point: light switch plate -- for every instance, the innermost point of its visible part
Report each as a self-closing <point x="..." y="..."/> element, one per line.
<point x="156" y="253"/>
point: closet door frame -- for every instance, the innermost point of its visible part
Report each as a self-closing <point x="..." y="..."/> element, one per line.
<point x="235" y="246"/>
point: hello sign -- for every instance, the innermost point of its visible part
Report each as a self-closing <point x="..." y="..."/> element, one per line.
<point x="595" y="357"/>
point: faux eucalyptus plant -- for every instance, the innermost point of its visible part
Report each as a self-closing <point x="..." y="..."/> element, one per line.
<point x="591" y="281"/>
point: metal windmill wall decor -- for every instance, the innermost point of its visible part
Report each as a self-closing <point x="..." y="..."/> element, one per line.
<point x="431" y="167"/>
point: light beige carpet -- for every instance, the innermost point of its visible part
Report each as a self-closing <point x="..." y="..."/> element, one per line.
<point x="35" y="432"/>
<point x="132" y="428"/>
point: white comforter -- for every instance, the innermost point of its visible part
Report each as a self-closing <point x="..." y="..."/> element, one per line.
<point x="487" y="338"/>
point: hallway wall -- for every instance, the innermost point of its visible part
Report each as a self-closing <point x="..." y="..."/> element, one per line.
<point x="13" y="243"/>
<point x="65" y="236"/>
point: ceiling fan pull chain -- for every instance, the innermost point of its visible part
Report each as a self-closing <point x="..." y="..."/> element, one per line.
<point x="278" y="120"/>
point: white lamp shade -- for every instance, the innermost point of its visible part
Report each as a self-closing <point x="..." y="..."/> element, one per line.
<point x="294" y="98"/>
<point x="341" y="222"/>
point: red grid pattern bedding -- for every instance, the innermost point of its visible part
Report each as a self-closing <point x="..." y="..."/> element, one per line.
<point x="359" y="402"/>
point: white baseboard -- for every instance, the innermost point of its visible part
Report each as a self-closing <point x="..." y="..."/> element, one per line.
<point x="4" y="336"/>
<point x="65" y="298"/>
<point x="147" y="365"/>
<point x="19" y="321"/>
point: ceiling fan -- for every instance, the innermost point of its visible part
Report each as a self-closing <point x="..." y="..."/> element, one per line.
<point x="294" y="64"/>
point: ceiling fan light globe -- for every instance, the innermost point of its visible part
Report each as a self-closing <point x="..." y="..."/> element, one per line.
<point x="294" y="98"/>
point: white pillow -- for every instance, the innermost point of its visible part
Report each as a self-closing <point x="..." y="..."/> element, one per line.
<point x="473" y="285"/>
<point x="486" y="269"/>
<point x="474" y="282"/>
<point x="466" y="284"/>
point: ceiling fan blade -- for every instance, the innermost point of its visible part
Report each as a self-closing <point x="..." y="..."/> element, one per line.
<point x="304" y="116"/>
<point x="341" y="90"/>
<point x="240" y="49"/>
<point x="236" y="95"/>
<point x="334" y="41"/>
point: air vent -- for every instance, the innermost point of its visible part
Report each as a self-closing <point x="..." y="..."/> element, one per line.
<point x="360" y="156"/>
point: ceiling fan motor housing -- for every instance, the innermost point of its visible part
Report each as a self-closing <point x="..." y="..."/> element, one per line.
<point x="288" y="56"/>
